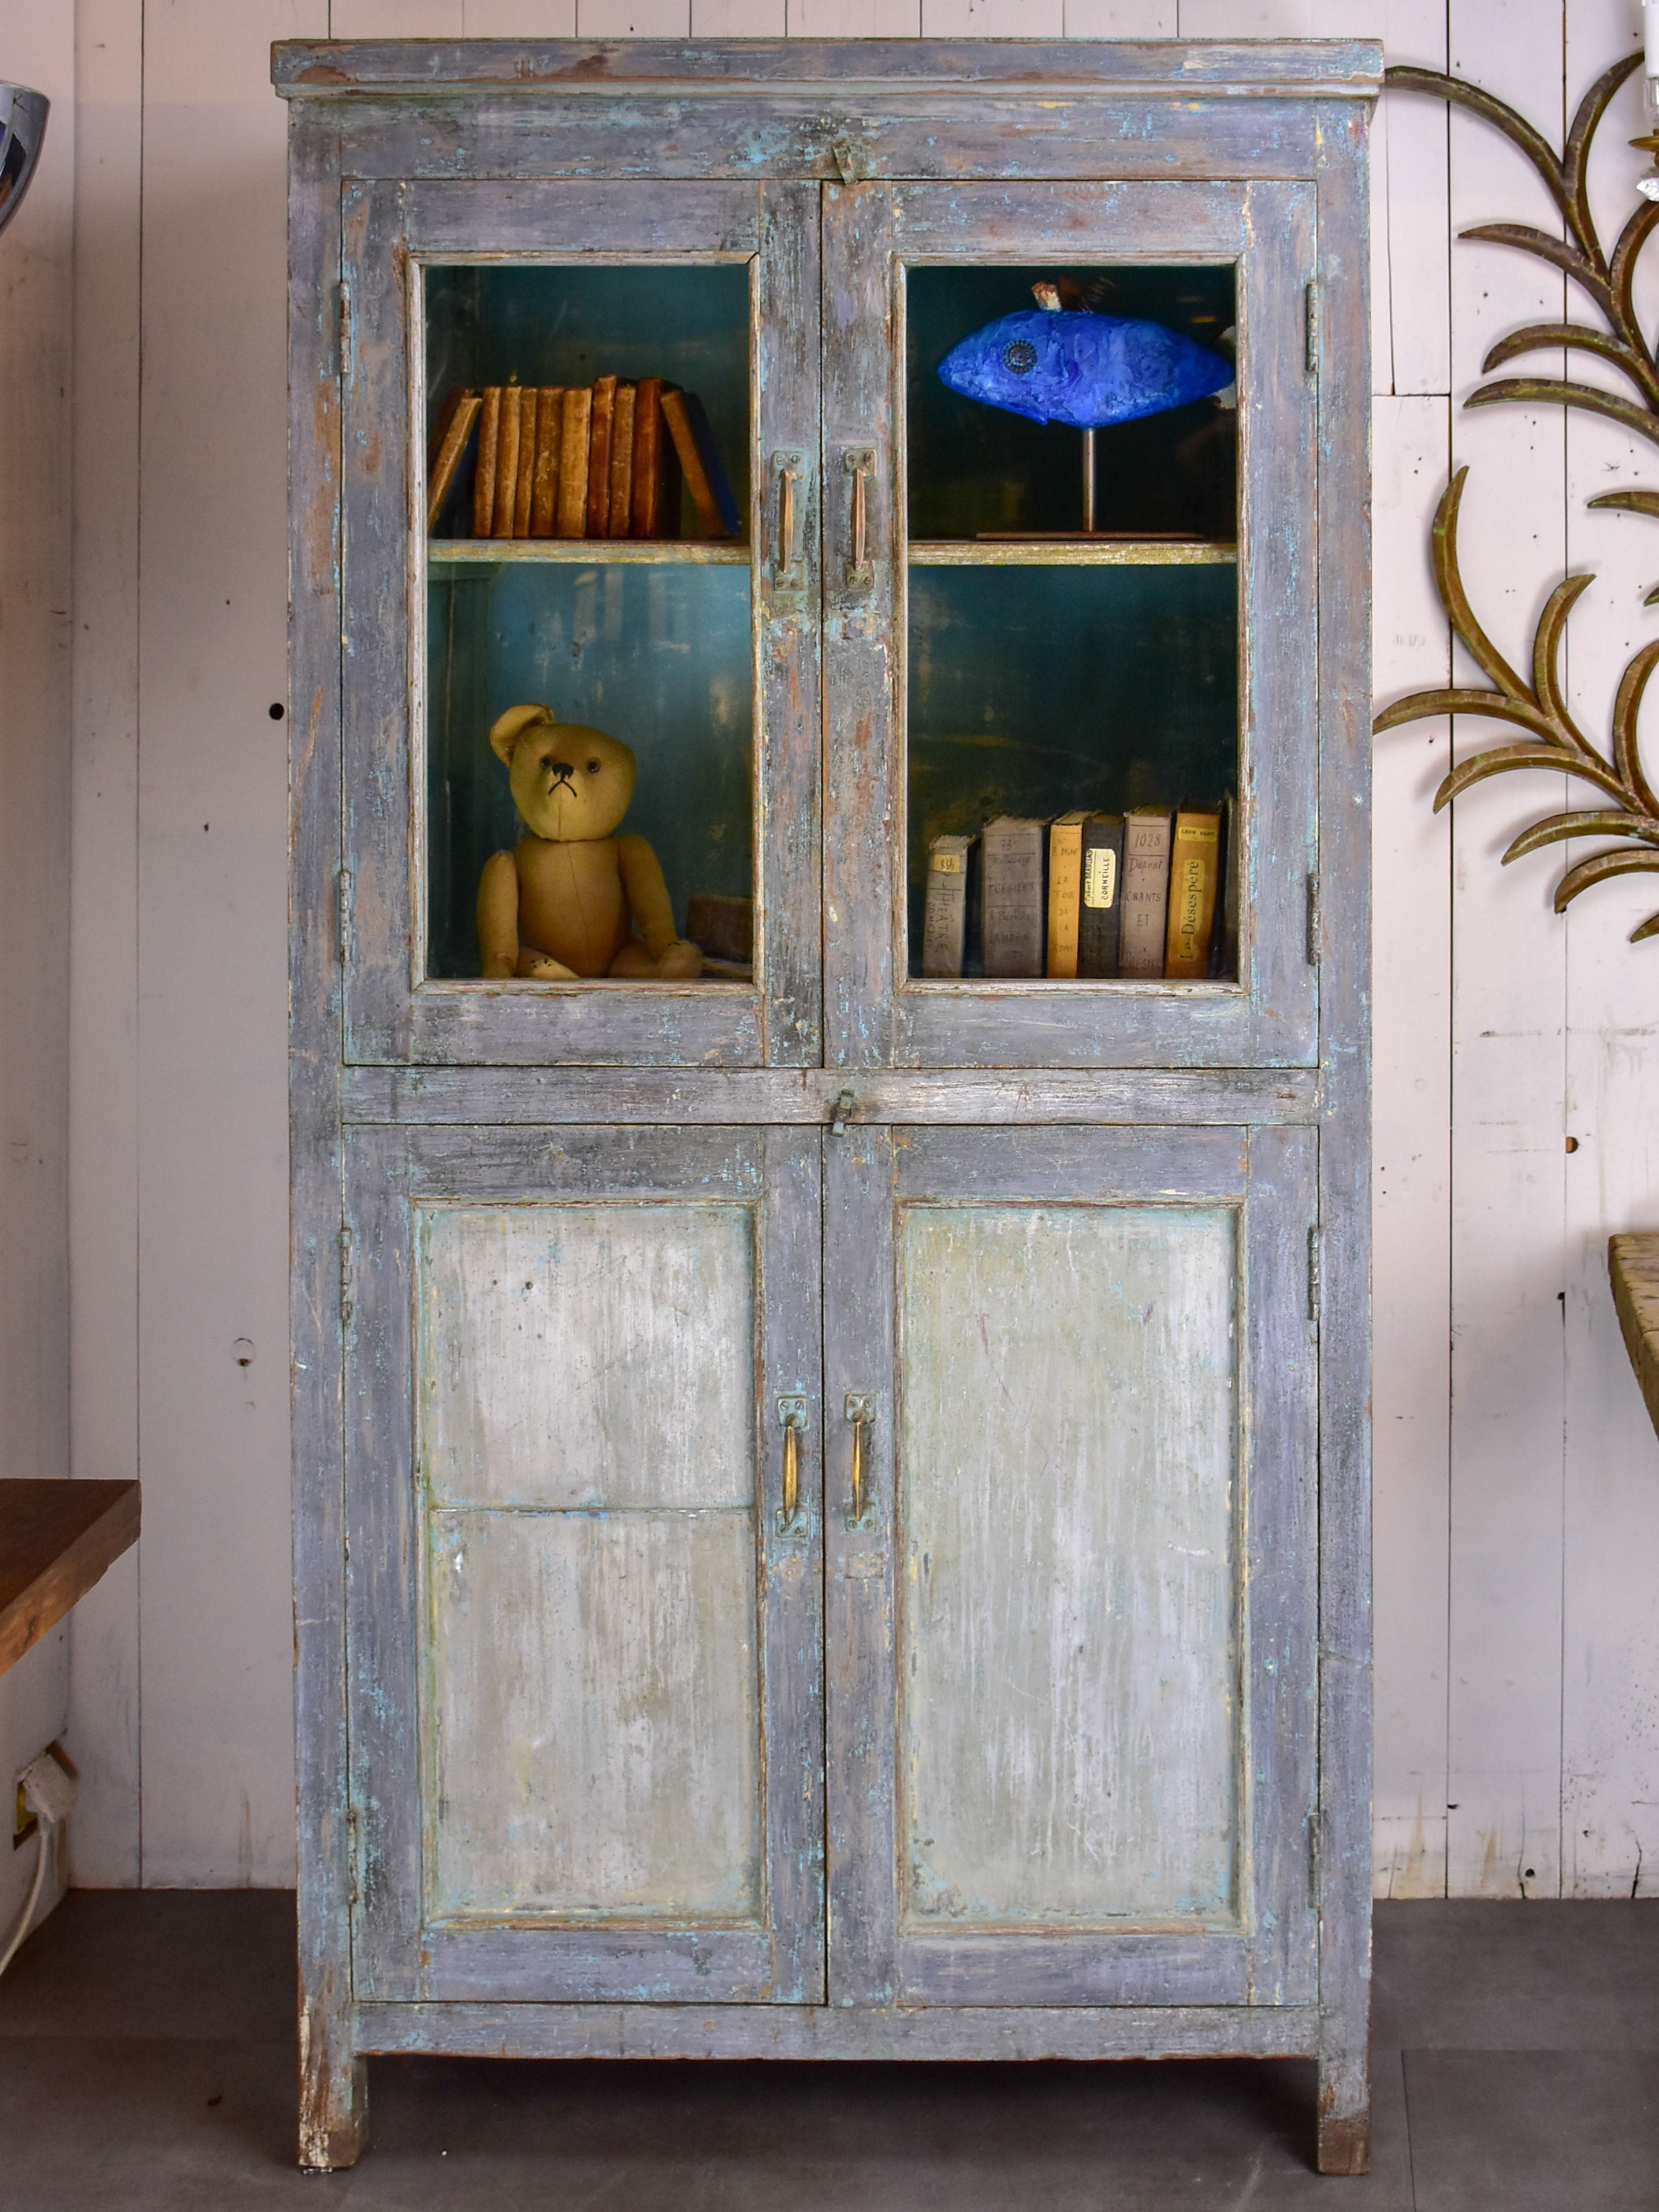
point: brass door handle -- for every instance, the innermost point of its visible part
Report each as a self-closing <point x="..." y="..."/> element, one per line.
<point x="859" y="462"/>
<point x="793" y="469"/>
<point x="792" y="1412"/>
<point x="861" y="1412"/>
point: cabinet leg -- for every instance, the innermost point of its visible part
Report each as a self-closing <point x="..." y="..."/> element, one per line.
<point x="333" y="2093"/>
<point x="1345" y="2112"/>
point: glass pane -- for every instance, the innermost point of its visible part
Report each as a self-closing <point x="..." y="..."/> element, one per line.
<point x="598" y="569"/>
<point x="1073" y="692"/>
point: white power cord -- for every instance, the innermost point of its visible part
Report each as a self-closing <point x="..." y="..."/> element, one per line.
<point x="48" y="1792"/>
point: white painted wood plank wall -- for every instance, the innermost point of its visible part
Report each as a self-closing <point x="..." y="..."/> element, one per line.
<point x="1517" y="1482"/>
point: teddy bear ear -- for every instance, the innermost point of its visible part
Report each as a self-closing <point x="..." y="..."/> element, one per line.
<point x="506" y="731"/>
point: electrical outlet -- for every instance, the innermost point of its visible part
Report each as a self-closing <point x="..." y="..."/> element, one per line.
<point x="25" y="1821"/>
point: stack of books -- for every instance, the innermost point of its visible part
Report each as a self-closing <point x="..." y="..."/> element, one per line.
<point x="588" y="461"/>
<point x="1085" y="895"/>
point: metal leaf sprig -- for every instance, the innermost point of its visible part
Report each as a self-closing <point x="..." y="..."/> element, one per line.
<point x="1552" y="739"/>
<point x="1609" y="280"/>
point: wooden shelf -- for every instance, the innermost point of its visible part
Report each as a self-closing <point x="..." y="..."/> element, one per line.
<point x="56" y="1540"/>
<point x="1634" y="1267"/>
<point x="588" y="552"/>
<point x="1077" y="552"/>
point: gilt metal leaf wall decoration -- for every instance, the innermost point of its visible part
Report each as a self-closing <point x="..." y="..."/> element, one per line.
<point x="1552" y="739"/>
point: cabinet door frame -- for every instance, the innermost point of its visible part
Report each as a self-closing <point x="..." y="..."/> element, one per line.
<point x="876" y="1014"/>
<point x="398" y="1953"/>
<point x="1269" y="1954"/>
<point x="393" y="1012"/>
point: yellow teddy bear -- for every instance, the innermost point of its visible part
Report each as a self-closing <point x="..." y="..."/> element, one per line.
<point x="566" y="902"/>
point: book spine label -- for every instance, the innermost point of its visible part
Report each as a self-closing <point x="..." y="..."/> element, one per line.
<point x="506" y="464"/>
<point x="484" y="481"/>
<point x="571" y="515"/>
<point x="944" y="927"/>
<point x="1146" y="895"/>
<point x="549" y="432"/>
<point x="1192" y="895"/>
<point x="622" y="461"/>
<point x="1014" y="901"/>
<point x="1065" y="890"/>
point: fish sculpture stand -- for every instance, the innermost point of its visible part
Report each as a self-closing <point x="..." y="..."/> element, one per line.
<point x="1059" y="364"/>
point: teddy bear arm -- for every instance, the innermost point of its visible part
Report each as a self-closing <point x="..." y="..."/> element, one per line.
<point x="648" y="894"/>
<point x="498" y="915"/>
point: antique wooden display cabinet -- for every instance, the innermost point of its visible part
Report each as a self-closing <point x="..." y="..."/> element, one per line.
<point x="830" y="1501"/>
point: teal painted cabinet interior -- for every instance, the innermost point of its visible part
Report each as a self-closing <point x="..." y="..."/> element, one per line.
<point x="831" y="1490"/>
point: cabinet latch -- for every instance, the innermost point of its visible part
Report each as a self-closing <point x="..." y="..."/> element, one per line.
<point x="348" y="1274"/>
<point x="1313" y="1276"/>
<point x="343" y="899"/>
<point x="842" y="1113"/>
<point x="1313" y="918"/>
<point x="345" y="331"/>
<point x="1311" y="325"/>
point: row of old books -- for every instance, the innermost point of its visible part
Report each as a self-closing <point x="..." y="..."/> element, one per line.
<point x="1084" y="894"/>
<point x="581" y="461"/>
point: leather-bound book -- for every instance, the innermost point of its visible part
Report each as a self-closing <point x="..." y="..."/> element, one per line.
<point x="1015" y="920"/>
<point x="700" y="462"/>
<point x="484" y="481"/>
<point x="1146" y="889"/>
<point x="1065" y="891"/>
<point x="572" y="514"/>
<point x="622" y="461"/>
<point x="461" y="411"/>
<point x="1100" y="910"/>
<point x="945" y="916"/>
<point x="550" y="433"/>
<point x="598" y="457"/>
<point x="506" y="463"/>
<point x="644" y="517"/>
<point x="529" y="417"/>
<point x="1193" y="853"/>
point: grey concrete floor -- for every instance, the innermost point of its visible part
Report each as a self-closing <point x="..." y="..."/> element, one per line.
<point x="147" y="2061"/>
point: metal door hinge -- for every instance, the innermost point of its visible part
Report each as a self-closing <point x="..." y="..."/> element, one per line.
<point x="1311" y="324"/>
<point x="842" y="1113"/>
<point x="343" y="898"/>
<point x="1313" y="918"/>
<point x="348" y="1273"/>
<point x="354" y="1840"/>
<point x="1313" y="1275"/>
<point x="345" y="331"/>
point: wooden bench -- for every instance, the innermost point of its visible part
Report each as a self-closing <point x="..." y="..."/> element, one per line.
<point x="56" y="1540"/>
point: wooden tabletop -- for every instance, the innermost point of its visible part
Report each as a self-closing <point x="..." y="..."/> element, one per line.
<point x="55" y="1539"/>
<point x="1633" y="1264"/>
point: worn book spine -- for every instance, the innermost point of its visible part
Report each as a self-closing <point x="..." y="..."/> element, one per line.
<point x="524" y="498"/>
<point x="622" y="462"/>
<point x="1100" y="905"/>
<point x="1065" y="893"/>
<point x="1014" y="917"/>
<point x="484" y="481"/>
<point x="599" y="456"/>
<point x="705" y="477"/>
<point x="944" y="917"/>
<point x="550" y="430"/>
<point x="1145" y="891"/>
<point x="645" y="517"/>
<point x="1193" y="852"/>
<point x="572" y="519"/>
<point x="506" y="463"/>
<point x="461" y="411"/>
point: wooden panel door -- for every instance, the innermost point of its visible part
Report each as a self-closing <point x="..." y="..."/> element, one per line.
<point x="584" y="1631"/>
<point x="1072" y="1683"/>
<point x="1120" y="646"/>
<point x="455" y="285"/>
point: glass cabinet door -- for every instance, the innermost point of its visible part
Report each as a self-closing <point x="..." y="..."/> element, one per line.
<point x="581" y="623"/>
<point x="1070" y="465"/>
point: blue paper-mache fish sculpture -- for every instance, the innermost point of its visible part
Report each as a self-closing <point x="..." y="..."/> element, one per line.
<point x="1082" y="369"/>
